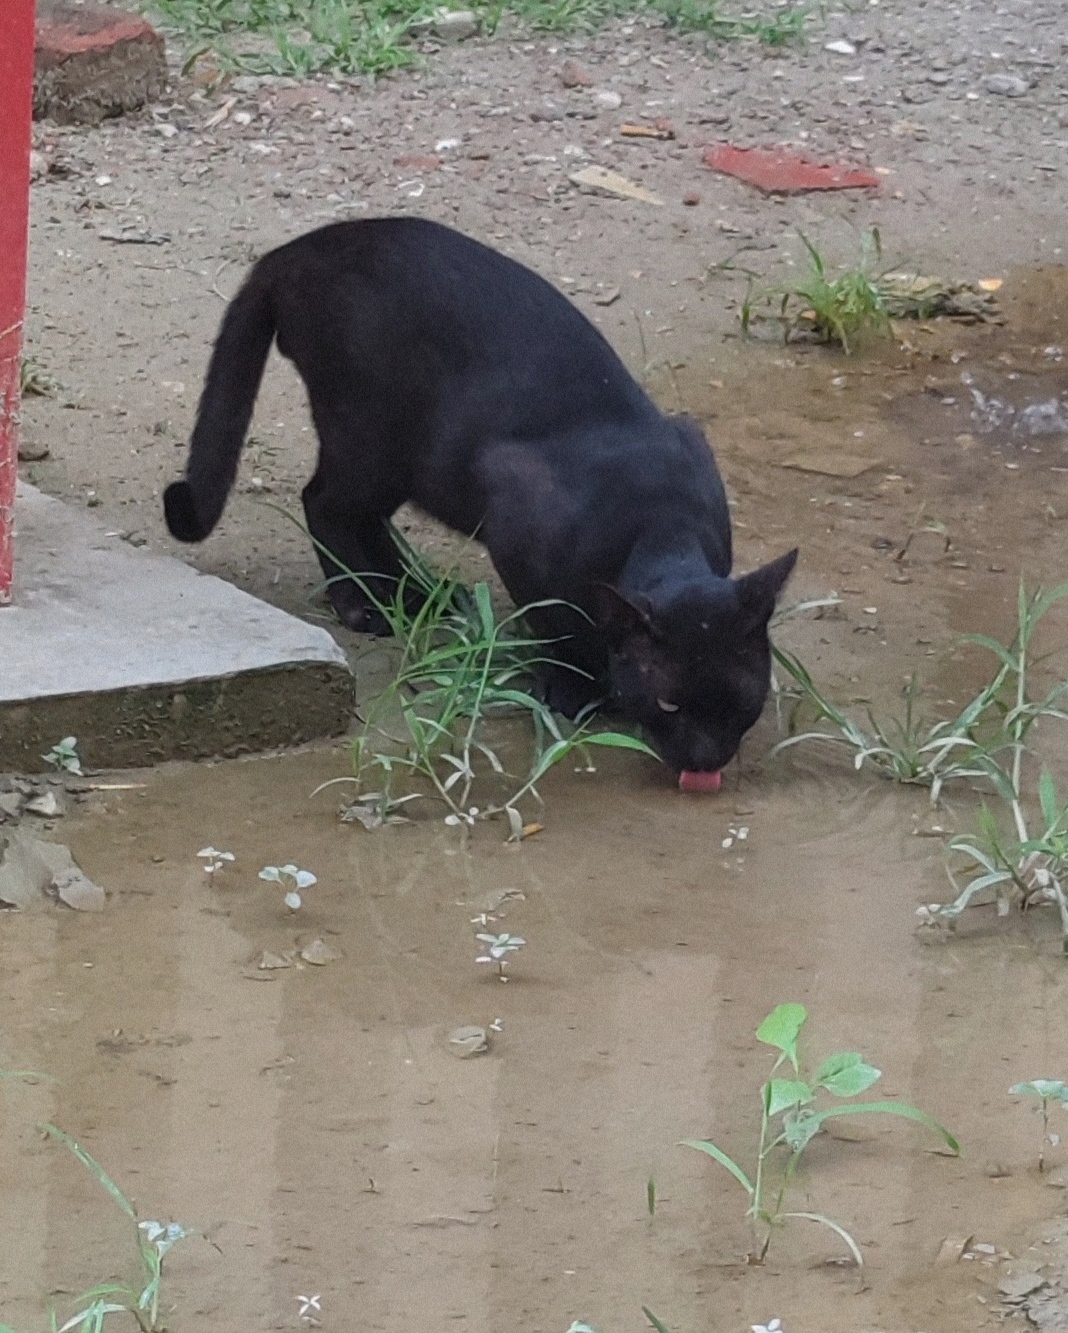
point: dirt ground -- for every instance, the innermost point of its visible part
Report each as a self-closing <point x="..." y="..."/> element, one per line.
<point x="311" y="1122"/>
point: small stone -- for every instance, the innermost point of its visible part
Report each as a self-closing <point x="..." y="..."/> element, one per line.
<point x="841" y="47"/>
<point x="997" y="1171"/>
<point x="1018" y="1285"/>
<point x="1006" y="85"/>
<point x="691" y="198"/>
<point x="447" y="25"/>
<point x="38" y="166"/>
<point x="46" y="805"/>
<point x="271" y="962"/>
<point x="319" y="953"/>
<point x="607" y="100"/>
<point x="938" y="77"/>
<point x="10" y="801"/>
<point x="951" y="1250"/>
<point x="29" y="452"/>
<point x="573" y="74"/>
<point x="468" y="1041"/>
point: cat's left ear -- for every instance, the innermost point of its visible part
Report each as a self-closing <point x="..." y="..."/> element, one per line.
<point x="758" y="591"/>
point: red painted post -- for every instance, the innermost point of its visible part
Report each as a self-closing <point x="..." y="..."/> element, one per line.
<point x="16" y="111"/>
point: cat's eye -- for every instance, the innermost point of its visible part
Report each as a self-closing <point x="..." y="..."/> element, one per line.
<point x="665" y="707"/>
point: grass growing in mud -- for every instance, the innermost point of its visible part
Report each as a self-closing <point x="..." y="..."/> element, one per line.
<point x="1019" y="848"/>
<point x="303" y="37"/>
<point x="93" y="1309"/>
<point x="461" y="667"/>
<point x="790" y="1120"/>
<point x="841" y="310"/>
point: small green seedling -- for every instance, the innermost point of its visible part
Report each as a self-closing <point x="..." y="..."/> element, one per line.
<point x="498" y="947"/>
<point x="64" y="756"/>
<point x="154" y="1239"/>
<point x="302" y="879"/>
<point x="1050" y="1092"/>
<point x="215" y="860"/>
<point x="789" y="1121"/>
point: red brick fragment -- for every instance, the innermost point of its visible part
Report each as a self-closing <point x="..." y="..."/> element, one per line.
<point x="779" y="171"/>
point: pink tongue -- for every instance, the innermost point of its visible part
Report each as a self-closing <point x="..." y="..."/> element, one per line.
<point x="699" y="782"/>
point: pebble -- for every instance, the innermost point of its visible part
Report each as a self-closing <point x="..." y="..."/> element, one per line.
<point x="607" y="100"/>
<point x="573" y="74"/>
<point x="841" y="47"/>
<point x="468" y="1041"/>
<point x="1006" y="85"/>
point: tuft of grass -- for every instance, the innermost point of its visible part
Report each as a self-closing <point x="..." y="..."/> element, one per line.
<point x="304" y="37"/>
<point x="841" y="310"/>
<point x="1019" y="850"/>
<point x="461" y="668"/>
<point x="153" y="1239"/>
<point x="790" y="1120"/>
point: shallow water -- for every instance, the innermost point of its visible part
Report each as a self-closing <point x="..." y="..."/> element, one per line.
<point x="313" y="1124"/>
<point x="310" y="1123"/>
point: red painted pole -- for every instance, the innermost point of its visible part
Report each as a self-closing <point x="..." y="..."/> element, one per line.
<point x="16" y="111"/>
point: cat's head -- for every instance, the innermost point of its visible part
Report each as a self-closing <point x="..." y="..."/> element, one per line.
<point x="693" y="666"/>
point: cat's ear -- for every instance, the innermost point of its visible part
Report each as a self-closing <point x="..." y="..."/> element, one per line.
<point x="758" y="591"/>
<point x="622" y="617"/>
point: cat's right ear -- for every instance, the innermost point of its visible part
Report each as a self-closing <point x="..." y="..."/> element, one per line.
<point x="622" y="617"/>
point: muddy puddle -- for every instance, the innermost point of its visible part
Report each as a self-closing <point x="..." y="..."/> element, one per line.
<point x="311" y="1125"/>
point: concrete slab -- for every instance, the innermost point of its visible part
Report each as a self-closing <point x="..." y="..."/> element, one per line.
<point x="144" y="659"/>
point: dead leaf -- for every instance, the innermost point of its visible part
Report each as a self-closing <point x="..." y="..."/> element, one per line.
<point x="611" y="182"/>
<point x="530" y="829"/>
<point x="951" y="1249"/>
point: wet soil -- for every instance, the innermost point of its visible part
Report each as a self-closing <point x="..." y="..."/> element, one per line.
<point x="310" y="1124"/>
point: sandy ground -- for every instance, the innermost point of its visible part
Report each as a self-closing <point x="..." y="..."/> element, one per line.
<point x="315" y="1126"/>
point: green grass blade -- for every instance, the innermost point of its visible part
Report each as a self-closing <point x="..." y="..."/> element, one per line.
<point x="92" y="1165"/>
<point x="718" y="1155"/>
<point x="890" y="1108"/>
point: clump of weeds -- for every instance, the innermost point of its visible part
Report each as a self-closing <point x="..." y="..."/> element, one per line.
<point x="841" y="310"/>
<point x="1019" y="849"/>
<point x="304" y="37"/>
<point x="462" y="666"/>
<point x="789" y="1120"/>
<point x="1047" y="1092"/>
<point x="94" y="1308"/>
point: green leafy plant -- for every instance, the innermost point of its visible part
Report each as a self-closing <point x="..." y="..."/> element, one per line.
<point x="461" y="666"/>
<point x="838" y="310"/>
<point x="153" y="1239"/>
<point x="64" y="756"/>
<point x="789" y="1120"/>
<point x="1049" y="1092"/>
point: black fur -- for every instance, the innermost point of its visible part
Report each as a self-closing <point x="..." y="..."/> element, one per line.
<point x="441" y="372"/>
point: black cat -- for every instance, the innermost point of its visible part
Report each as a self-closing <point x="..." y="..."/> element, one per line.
<point x="442" y="373"/>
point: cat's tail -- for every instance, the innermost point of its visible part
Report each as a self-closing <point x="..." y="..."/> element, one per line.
<point x="194" y="505"/>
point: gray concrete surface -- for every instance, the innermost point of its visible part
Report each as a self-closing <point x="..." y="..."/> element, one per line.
<point x="144" y="659"/>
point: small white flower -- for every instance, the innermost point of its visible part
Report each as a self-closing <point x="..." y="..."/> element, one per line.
<point x="309" y="1303"/>
<point x="772" y="1326"/>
